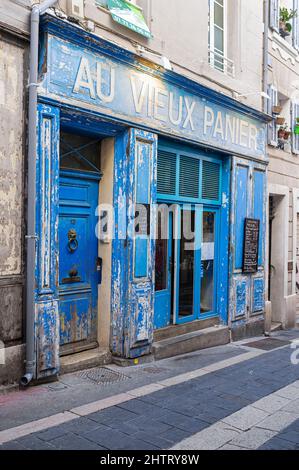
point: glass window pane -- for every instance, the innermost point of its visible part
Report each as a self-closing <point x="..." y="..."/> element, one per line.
<point x="218" y="16"/>
<point x="207" y="263"/>
<point x="186" y="293"/>
<point x="79" y="152"/>
<point x="161" y="256"/>
<point x="219" y="40"/>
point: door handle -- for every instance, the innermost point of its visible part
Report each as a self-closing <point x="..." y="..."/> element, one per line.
<point x="99" y="269"/>
<point x="73" y="242"/>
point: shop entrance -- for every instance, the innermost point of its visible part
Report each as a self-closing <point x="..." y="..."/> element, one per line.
<point x="186" y="251"/>
<point x="189" y="193"/>
<point x="79" y="264"/>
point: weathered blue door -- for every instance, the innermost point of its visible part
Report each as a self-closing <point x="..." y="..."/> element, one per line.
<point x="78" y="261"/>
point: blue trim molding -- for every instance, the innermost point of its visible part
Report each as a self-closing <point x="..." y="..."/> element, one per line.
<point x="47" y="203"/>
<point x="133" y="279"/>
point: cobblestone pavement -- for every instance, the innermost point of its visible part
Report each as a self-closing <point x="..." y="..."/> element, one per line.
<point x="250" y="404"/>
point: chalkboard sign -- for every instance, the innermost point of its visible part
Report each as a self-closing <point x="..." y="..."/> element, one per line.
<point x="251" y="246"/>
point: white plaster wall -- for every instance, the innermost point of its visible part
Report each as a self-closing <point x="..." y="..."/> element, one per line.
<point x="11" y="157"/>
<point x="283" y="164"/>
<point x="180" y="31"/>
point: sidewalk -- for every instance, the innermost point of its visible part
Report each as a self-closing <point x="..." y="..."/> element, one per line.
<point x="237" y="396"/>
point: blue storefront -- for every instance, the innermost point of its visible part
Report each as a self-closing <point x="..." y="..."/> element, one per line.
<point x="160" y="149"/>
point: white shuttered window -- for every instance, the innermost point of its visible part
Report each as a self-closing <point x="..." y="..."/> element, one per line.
<point x="272" y="128"/>
<point x="296" y="25"/>
<point x="274" y="14"/>
<point x="217" y="33"/>
<point x="294" y="115"/>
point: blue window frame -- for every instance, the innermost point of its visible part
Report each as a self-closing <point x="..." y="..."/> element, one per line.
<point x="188" y="176"/>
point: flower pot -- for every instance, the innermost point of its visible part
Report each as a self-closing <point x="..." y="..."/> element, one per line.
<point x="280" y="121"/>
<point x="281" y="133"/>
<point x="276" y="109"/>
<point x="287" y="135"/>
<point x="283" y="31"/>
<point x="296" y="129"/>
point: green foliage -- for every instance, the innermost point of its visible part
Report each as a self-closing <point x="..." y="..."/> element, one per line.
<point x="285" y="16"/>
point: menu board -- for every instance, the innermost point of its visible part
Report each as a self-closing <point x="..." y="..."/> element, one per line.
<point x="251" y="246"/>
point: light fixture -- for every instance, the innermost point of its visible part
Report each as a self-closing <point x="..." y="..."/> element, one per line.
<point x="261" y="93"/>
<point x="161" y="60"/>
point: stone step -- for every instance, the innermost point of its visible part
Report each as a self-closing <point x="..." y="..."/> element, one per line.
<point x="190" y="342"/>
<point x="276" y="326"/>
<point x="84" y="360"/>
<point x="178" y="330"/>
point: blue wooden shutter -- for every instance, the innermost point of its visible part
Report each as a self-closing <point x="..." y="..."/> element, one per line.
<point x="296" y="25"/>
<point x="272" y="131"/>
<point x="274" y="14"/>
<point x="210" y="180"/>
<point x="295" y="138"/>
<point x="166" y="179"/>
<point x="189" y="176"/>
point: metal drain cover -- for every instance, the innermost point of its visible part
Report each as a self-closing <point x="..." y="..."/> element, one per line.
<point x="154" y="370"/>
<point x="102" y="376"/>
<point x="267" y="344"/>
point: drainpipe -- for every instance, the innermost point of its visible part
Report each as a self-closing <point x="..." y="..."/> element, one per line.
<point x="266" y="53"/>
<point x="36" y="12"/>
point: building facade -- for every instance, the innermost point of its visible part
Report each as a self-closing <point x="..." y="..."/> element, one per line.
<point x="14" y="41"/>
<point x="283" y="247"/>
<point x="151" y="177"/>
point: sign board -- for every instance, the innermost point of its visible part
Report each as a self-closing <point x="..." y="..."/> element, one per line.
<point x="251" y="246"/>
<point x="130" y="16"/>
<point x="117" y="89"/>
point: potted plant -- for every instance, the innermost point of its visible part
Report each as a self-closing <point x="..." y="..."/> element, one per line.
<point x="287" y="133"/>
<point x="285" y="16"/>
<point x="281" y="133"/>
<point x="296" y="128"/>
<point x="280" y="121"/>
<point x="276" y="110"/>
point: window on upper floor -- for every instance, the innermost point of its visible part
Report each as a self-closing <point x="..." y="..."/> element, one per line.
<point x="218" y="37"/>
<point x="283" y="130"/>
<point x="284" y="19"/>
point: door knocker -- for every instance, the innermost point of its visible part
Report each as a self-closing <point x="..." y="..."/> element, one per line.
<point x="73" y="242"/>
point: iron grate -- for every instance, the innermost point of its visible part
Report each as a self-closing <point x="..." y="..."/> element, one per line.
<point x="102" y="376"/>
<point x="267" y="344"/>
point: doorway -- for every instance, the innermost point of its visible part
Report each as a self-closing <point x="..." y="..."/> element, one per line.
<point x="186" y="259"/>
<point x="79" y="274"/>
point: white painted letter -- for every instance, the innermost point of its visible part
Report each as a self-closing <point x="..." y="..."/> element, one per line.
<point x="219" y="126"/>
<point x="244" y="132"/>
<point x="138" y="101"/>
<point x="110" y="97"/>
<point x="190" y="110"/>
<point x="209" y="119"/>
<point x="159" y="104"/>
<point x="84" y="79"/>
<point x="230" y="128"/>
<point x="174" y="121"/>
<point x="253" y="132"/>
